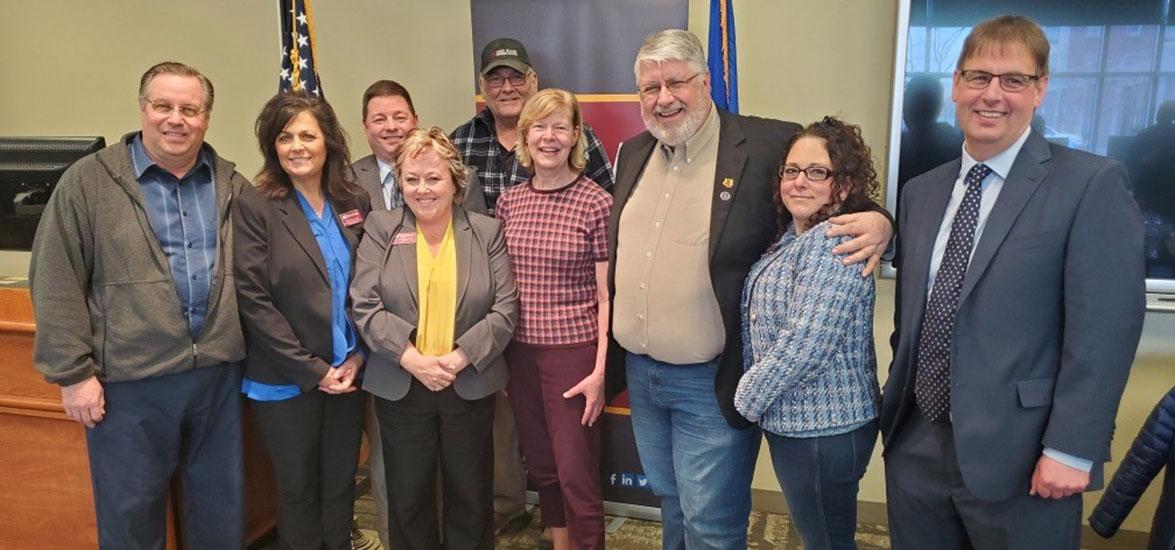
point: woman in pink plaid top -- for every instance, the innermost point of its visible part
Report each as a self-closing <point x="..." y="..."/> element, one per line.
<point x="556" y="235"/>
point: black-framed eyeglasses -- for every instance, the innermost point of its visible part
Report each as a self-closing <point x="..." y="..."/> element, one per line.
<point x="675" y="86"/>
<point x="497" y="81"/>
<point x="813" y="173"/>
<point x="1009" y="82"/>
<point x="164" y="108"/>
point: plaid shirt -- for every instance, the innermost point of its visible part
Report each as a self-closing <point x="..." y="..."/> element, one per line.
<point x="498" y="169"/>
<point x="554" y="239"/>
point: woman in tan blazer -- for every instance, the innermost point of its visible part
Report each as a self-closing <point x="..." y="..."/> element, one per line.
<point x="435" y="362"/>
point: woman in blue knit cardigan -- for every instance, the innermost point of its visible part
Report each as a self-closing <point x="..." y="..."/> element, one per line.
<point x="811" y="372"/>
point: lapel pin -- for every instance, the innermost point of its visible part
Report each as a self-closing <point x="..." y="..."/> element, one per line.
<point x="728" y="183"/>
<point x="725" y="195"/>
<point x="404" y="237"/>
<point x="351" y="217"/>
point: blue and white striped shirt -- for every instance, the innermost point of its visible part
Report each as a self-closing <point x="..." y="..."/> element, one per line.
<point x="182" y="212"/>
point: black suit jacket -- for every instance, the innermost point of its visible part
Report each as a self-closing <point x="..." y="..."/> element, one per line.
<point x="283" y="290"/>
<point x="741" y="228"/>
<point x="1049" y="315"/>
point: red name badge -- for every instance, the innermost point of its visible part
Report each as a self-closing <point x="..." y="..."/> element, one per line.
<point x="404" y="237"/>
<point x="351" y="217"/>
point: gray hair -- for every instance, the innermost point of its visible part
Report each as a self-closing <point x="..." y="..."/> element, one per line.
<point x="671" y="45"/>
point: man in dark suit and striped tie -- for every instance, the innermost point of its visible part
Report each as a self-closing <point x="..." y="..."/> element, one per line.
<point x="1020" y="300"/>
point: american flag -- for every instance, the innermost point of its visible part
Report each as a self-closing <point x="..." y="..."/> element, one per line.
<point x="299" y="73"/>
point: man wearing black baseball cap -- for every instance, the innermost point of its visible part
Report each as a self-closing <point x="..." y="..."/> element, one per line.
<point x="487" y="145"/>
<point x="488" y="140"/>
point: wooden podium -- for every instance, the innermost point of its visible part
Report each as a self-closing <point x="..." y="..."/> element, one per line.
<point x="46" y="498"/>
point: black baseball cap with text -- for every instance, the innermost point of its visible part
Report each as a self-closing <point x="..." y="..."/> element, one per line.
<point x="504" y="52"/>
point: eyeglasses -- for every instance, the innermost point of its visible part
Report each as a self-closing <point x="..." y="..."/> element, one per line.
<point x="813" y="173"/>
<point x="1009" y="82"/>
<point x="653" y="89"/>
<point x="496" y="81"/>
<point x="164" y="108"/>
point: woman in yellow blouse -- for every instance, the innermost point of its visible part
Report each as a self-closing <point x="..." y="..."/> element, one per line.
<point x="434" y="298"/>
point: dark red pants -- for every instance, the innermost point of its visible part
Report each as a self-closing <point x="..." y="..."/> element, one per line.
<point x="562" y="456"/>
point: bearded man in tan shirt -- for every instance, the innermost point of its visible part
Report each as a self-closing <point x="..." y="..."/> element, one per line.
<point x="693" y="210"/>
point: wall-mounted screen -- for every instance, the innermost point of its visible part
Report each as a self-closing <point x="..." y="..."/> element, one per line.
<point x="1111" y="91"/>
<point x="29" y="170"/>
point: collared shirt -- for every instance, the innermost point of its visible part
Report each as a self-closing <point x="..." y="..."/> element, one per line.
<point x="498" y="168"/>
<point x="393" y="196"/>
<point x="1001" y="165"/>
<point x="665" y="302"/>
<point x="182" y="213"/>
<point x="336" y="254"/>
<point x="436" y="278"/>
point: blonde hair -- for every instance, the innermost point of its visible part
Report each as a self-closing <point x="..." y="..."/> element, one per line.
<point x="434" y="139"/>
<point x="540" y="106"/>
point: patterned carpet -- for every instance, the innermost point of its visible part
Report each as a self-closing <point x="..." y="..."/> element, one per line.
<point x="766" y="532"/>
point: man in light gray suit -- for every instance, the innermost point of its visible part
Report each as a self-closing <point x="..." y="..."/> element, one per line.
<point x="1020" y="300"/>
<point x="388" y="116"/>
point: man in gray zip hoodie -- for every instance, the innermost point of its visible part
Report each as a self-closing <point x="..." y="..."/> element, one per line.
<point x="136" y="314"/>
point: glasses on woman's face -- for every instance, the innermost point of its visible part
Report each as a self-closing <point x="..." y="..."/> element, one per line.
<point x="813" y="173"/>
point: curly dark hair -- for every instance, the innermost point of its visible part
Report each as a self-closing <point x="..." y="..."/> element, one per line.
<point x="338" y="180"/>
<point x="853" y="174"/>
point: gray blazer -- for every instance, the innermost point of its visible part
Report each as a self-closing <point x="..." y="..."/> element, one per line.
<point x="367" y="176"/>
<point x="384" y="301"/>
<point x="1049" y="315"/>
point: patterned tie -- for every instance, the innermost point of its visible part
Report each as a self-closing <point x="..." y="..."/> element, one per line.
<point x="392" y="197"/>
<point x="932" y="389"/>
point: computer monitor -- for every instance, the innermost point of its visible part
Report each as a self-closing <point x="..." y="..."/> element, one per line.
<point x="29" y="170"/>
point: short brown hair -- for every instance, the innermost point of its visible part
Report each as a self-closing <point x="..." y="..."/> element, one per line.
<point x="382" y="88"/>
<point x="853" y="174"/>
<point x="1003" y="31"/>
<point x="434" y="139"/>
<point x="540" y="106"/>
<point x="338" y="180"/>
<point x="177" y="68"/>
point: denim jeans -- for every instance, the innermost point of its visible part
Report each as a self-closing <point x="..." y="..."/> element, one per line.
<point x="698" y="464"/>
<point x="819" y="477"/>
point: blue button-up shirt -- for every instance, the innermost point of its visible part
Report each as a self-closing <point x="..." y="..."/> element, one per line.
<point x="182" y="212"/>
<point x="336" y="253"/>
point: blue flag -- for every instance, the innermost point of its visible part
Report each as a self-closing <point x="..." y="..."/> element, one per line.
<point x="299" y="71"/>
<point x="722" y="59"/>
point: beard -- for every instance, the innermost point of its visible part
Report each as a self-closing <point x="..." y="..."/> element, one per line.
<point x="674" y="135"/>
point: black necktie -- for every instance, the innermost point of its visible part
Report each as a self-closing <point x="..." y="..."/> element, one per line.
<point x="932" y="390"/>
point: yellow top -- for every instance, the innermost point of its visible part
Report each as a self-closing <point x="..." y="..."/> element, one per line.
<point x="437" y="285"/>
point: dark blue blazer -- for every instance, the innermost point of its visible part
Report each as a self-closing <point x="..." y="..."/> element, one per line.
<point x="1153" y="449"/>
<point x="1049" y="316"/>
